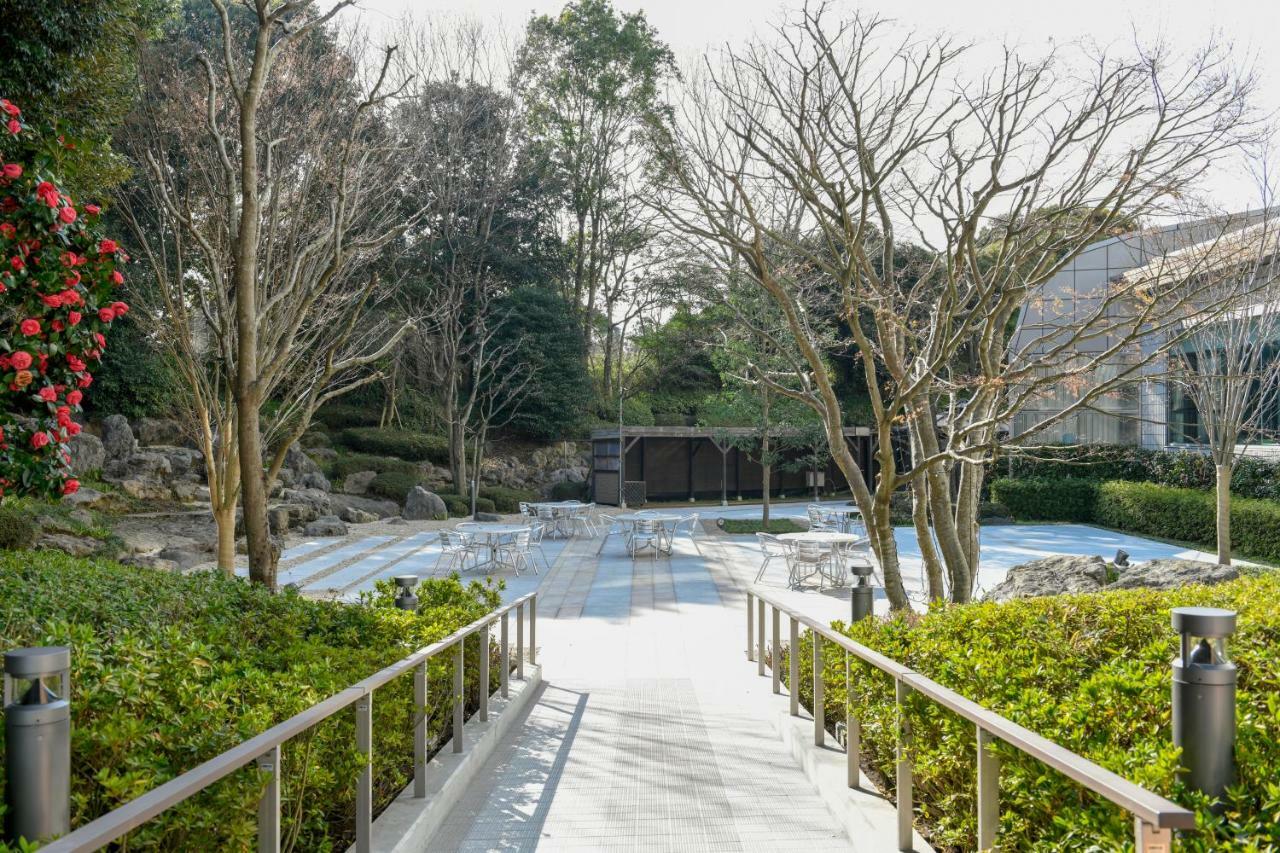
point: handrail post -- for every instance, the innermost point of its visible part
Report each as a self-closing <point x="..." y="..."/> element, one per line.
<point x="852" y="731"/>
<point x="988" y="791"/>
<point x="776" y="659"/>
<point x="505" y="656"/>
<point x="459" y="697"/>
<point x="751" y="630"/>
<point x="904" y="795"/>
<point x="533" y="630"/>
<point x="420" y="730"/>
<point x="520" y="641"/>
<point x="364" y="783"/>
<point x="819" y="730"/>
<point x="760" y="636"/>
<point x="483" y="636"/>
<point x="1151" y="839"/>
<point x="269" y="804"/>
<point x="793" y="666"/>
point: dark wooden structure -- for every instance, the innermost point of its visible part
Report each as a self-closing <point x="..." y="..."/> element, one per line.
<point x="700" y="463"/>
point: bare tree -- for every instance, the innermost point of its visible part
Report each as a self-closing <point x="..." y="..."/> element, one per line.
<point x="267" y="194"/>
<point x="815" y="162"/>
<point x="1227" y="364"/>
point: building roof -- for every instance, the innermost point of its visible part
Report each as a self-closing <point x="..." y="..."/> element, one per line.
<point x="698" y="432"/>
<point x="1234" y="248"/>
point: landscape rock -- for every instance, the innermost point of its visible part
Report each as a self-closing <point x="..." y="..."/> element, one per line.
<point x="358" y="483"/>
<point x="322" y="454"/>
<point x="315" y="498"/>
<point x="279" y="519"/>
<point x="374" y="506"/>
<point x="151" y="562"/>
<point x="315" y="480"/>
<point x="488" y="516"/>
<point x="76" y="546"/>
<point x="326" y="525"/>
<point x="144" y="489"/>
<point x="152" y="431"/>
<point x="421" y="505"/>
<point x="117" y="437"/>
<point x="1172" y="573"/>
<point x="87" y="497"/>
<point x="1051" y="576"/>
<point x="87" y="454"/>
<point x="356" y="516"/>
<point x="181" y="558"/>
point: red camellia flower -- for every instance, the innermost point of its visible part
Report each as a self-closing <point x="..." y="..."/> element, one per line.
<point x="107" y="247"/>
<point x="48" y="394"/>
<point x="9" y="107"/>
<point x="67" y="214"/>
<point x="64" y="416"/>
<point x="120" y="308"/>
<point x="14" y="127"/>
<point x="117" y="277"/>
<point x="29" y="327"/>
<point x="53" y="300"/>
<point x="85" y="381"/>
<point x="106" y="315"/>
<point x="92" y="209"/>
<point x="48" y="194"/>
<point x="74" y="318"/>
<point x="13" y="171"/>
<point x="57" y="325"/>
<point x="71" y="486"/>
<point x="102" y="341"/>
<point x="73" y="429"/>
<point x="75" y="363"/>
<point x="17" y="263"/>
<point x="7" y="229"/>
<point x="74" y="398"/>
<point x="39" y="439"/>
<point x="21" y="360"/>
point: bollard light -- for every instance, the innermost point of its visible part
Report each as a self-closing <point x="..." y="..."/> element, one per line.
<point x="862" y="596"/>
<point x="405" y="599"/>
<point x="37" y="728"/>
<point x="1204" y="698"/>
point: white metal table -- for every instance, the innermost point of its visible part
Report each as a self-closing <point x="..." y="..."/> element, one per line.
<point x="843" y="517"/>
<point x="491" y="535"/>
<point x="631" y="519"/>
<point x="562" y="513"/>
<point x="831" y="538"/>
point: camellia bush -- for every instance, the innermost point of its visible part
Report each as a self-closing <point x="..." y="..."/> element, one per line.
<point x="58" y="280"/>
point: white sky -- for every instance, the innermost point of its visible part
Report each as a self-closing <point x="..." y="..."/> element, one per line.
<point x="689" y="26"/>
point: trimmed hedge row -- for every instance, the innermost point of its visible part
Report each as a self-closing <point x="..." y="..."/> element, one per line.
<point x="1253" y="477"/>
<point x="1186" y="515"/>
<point x="413" y="446"/>
<point x="1090" y="672"/>
<point x="507" y="500"/>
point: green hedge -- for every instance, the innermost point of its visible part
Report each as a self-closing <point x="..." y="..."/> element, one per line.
<point x="170" y="670"/>
<point x="393" y="485"/>
<point x="1253" y="477"/>
<point x="569" y="491"/>
<point x="1090" y="672"/>
<point x="17" y="529"/>
<point x="459" y="506"/>
<point x="345" y="416"/>
<point x="507" y="500"/>
<point x="351" y="463"/>
<point x="1044" y="499"/>
<point x="413" y="446"/>
<point x="1189" y="515"/>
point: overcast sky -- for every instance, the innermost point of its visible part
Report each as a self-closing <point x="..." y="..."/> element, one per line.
<point x="689" y="26"/>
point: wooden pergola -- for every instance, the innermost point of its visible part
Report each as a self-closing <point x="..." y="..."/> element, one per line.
<point x="698" y="463"/>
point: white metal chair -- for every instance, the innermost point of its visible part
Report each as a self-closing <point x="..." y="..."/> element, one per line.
<point x="581" y="517"/>
<point x="458" y="546"/>
<point x="514" y="552"/>
<point x="772" y="548"/>
<point x="612" y="527"/>
<point x="813" y="556"/>
<point x="536" y="533"/>
<point x="818" y="518"/>
<point x="645" y="533"/>
<point x="690" y="523"/>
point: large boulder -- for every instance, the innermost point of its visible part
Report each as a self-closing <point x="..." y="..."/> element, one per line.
<point x="352" y="515"/>
<point x="421" y="505"/>
<point x="1172" y="573"/>
<point x="358" y="482"/>
<point x="317" y="499"/>
<point x="117" y="438"/>
<point x="1051" y="576"/>
<point x="76" y="546"/>
<point x="326" y="525"/>
<point x="373" y="506"/>
<point x="153" y="431"/>
<point x="87" y="454"/>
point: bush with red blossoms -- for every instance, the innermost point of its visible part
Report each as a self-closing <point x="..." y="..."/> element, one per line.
<point x="58" y="278"/>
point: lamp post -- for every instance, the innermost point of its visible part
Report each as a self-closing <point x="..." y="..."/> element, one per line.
<point x="405" y="599"/>
<point x="37" y="725"/>
<point x="1204" y="698"/>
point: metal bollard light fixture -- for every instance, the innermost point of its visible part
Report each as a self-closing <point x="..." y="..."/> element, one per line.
<point x="405" y="599"/>
<point x="37" y="727"/>
<point x="861" y="596"/>
<point x="1204" y="698"/>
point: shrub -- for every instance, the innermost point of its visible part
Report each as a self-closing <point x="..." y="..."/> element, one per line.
<point x="344" y="416"/>
<point x="566" y="490"/>
<point x="1090" y="672"/>
<point x="1046" y="499"/>
<point x="413" y="446"/>
<point x="350" y="463"/>
<point x="1188" y="515"/>
<point x="145" y="642"/>
<point x="507" y="500"/>
<point x="17" y="530"/>
<point x="459" y="507"/>
<point x="393" y="485"/>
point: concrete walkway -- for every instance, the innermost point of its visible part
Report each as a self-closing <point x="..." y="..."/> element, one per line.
<point x="652" y="731"/>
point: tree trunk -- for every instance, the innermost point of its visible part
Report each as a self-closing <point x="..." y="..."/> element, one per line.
<point x="1224" y="513"/>
<point x="225" y="519"/>
<point x="458" y="458"/>
<point x="928" y="554"/>
<point x="766" y="466"/>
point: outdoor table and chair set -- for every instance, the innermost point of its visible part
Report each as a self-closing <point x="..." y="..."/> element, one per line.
<point x="835" y="544"/>
<point x="476" y="545"/>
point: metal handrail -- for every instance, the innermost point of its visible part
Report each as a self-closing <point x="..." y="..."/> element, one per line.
<point x="1155" y="817"/>
<point x="265" y="748"/>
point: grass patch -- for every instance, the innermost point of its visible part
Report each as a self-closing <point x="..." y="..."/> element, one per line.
<point x="750" y="526"/>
